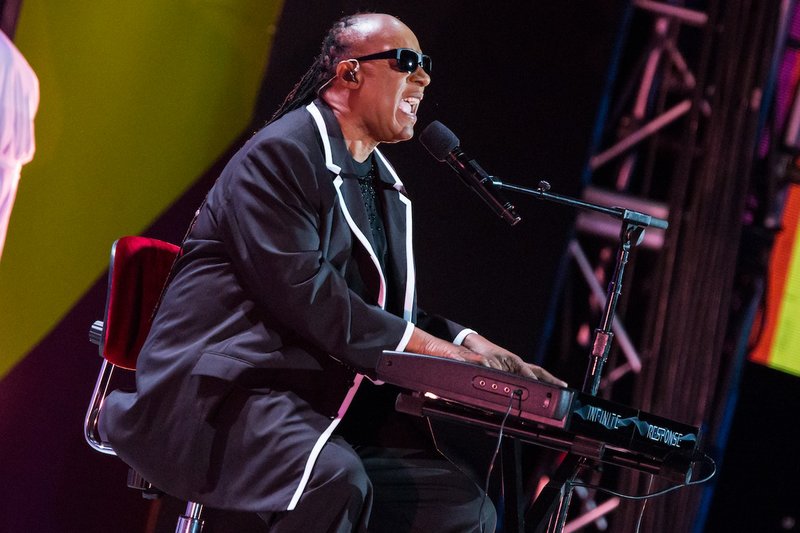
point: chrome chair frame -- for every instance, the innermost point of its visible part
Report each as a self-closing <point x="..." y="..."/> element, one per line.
<point x="190" y="521"/>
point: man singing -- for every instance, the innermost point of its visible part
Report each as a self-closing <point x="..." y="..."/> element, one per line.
<point x="296" y="274"/>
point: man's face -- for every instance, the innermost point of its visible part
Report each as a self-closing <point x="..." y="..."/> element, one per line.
<point x="388" y="97"/>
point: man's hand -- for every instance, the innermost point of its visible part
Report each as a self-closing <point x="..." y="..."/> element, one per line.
<point x="479" y="350"/>
<point x="489" y="354"/>
<point x="424" y="343"/>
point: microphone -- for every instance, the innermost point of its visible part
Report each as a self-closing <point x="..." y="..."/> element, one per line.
<point x="444" y="146"/>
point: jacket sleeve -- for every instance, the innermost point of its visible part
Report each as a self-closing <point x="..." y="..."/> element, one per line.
<point x="441" y="327"/>
<point x="273" y="211"/>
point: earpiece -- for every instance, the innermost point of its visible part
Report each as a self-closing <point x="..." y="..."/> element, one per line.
<point x="350" y="75"/>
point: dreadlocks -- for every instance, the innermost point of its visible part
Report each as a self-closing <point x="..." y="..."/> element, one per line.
<point x="334" y="48"/>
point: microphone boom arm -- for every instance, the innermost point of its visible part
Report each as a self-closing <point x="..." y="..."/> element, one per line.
<point x="637" y="218"/>
<point x="631" y="233"/>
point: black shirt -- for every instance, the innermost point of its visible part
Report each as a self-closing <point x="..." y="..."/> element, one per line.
<point x="372" y="419"/>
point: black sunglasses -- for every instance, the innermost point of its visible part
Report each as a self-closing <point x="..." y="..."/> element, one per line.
<point x="408" y="60"/>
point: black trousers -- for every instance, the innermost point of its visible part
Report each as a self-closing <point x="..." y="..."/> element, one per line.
<point x="386" y="490"/>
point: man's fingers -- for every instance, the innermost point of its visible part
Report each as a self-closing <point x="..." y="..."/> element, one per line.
<point x="492" y="362"/>
<point x="511" y="363"/>
<point x="526" y="370"/>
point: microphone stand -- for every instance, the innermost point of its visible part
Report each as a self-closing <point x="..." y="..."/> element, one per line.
<point x="555" y="498"/>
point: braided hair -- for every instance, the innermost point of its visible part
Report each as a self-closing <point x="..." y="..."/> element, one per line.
<point x="334" y="48"/>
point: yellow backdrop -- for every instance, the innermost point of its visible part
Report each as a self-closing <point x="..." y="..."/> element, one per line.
<point x="137" y="100"/>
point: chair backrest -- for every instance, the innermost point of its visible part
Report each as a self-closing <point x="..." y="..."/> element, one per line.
<point x="137" y="275"/>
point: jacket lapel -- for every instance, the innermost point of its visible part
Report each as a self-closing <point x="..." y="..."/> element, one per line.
<point x="397" y="215"/>
<point x="338" y="160"/>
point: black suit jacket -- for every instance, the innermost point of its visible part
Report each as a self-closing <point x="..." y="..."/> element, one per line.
<point x="273" y="316"/>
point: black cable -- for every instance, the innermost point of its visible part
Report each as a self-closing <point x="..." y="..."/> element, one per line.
<point x="514" y="393"/>
<point x="644" y="504"/>
<point x="656" y="493"/>
<point x="463" y="473"/>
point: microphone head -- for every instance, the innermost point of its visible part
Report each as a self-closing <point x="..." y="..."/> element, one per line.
<point x="439" y="140"/>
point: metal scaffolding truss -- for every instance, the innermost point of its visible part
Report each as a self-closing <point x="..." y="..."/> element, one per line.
<point x="656" y="93"/>
<point x="663" y="60"/>
<point x="675" y="137"/>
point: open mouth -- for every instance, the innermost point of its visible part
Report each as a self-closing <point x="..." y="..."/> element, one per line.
<point x="409" y="105"/>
